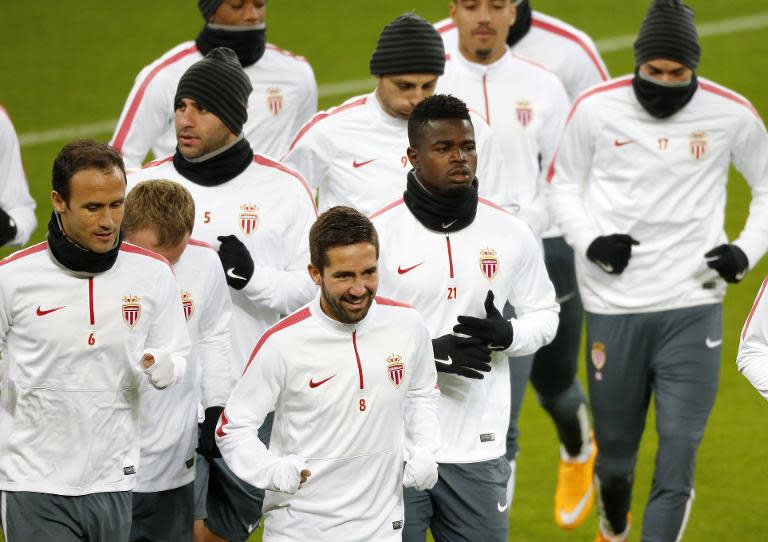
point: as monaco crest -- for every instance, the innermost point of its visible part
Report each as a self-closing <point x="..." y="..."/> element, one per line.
<point x="489" y="263"/>
<point x="698" y="144"/>
<point x="524" y="112"/>
<point x="131" y="310"/>
<point x="395" y="368"/>
<point x="249" y="218"/>
<point x="275" y="100"/>
<point x="188" y="304"/>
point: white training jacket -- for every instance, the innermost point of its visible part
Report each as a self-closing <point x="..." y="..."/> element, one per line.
<point x="447" y="275"/>
<point x="620" y="170"/>
<point x="348" y="399"/>
<point x="355" y="155"/>
<point x="70" y="400"/>
<point x="168" y="418"/>
<point x="14" y="190"/>
<point x="270" y="208"/>
<point x="526" y="106"/>
<point x="284" y="97"/>
<point x="752" y="359"/>
<point x="554" y="44"/>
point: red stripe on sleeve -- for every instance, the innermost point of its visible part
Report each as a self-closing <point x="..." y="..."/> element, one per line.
<point x="264" y="161"/>
<point x="391" y="302"/>
<point x="34" y="249"/>
<point x="386" y="208"/>
<point x="133" y="249"/>
<point x="548" y="27"/>
<point x="708" y="87"/>
<point x="288" y="321"/>
<point x="754" y="308"/>
<point x="222" y="422"/>
<point x="324" y="115"/>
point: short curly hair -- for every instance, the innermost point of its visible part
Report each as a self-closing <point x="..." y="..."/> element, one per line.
<point x="435" y="107"/>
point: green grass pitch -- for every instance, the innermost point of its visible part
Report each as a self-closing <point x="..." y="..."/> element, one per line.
<point x="72" y="63"/>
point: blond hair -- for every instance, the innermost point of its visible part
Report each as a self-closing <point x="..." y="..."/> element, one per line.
<point x="162" y="205"/>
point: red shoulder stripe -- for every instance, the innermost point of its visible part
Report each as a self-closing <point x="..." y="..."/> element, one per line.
<point x="320" y="116"/>
<point x="155" y="163"/>
<point x="133" y="249"/>
<point x="223" y="421"/>
<point x="273" y="47"/>
<point x="267" y="162"/>
<point x="450" y="25"/>
<point x="708" y="87"/>
<point x="34" y="249"/>
<point x="386" y="208"/>
<point x="288" y="321"/>
<point x="199" y="243"/>
<point x="122" y="132"/>
<point x="754" y="308"/>
<point x="391" y="302"/>
<point x="496" y="206"/>
<point x="548" y="27"/>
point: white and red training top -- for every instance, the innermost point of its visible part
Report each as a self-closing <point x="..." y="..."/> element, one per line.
<point x="284" y="97"/>
<point x="69" y="404"/>
<point x="349" y="398"/>
<point x="444" y="275"/>
<point x="168" y="440"/>
<point x="14" y="190"/>
<point x="270" y="208"/>
<point x="620" y="170"/>
<point x="355" y="155"/>
<point x="554" y="44"/>
<point x="752" y="359"/>
<point x="526" y="106"/>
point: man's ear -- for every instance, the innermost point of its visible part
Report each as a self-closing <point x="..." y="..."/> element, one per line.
<point x="413" y="157"/>
<point x="314" y="274"/>
<point x="59" y="205"/>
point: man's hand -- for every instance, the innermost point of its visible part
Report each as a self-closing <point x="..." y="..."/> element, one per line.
<point x="612" y="252"/>
<point x="305" y="474"/>
<point x="160" y="369"/>
<point x="290" y="473"/>
<point x="206" y="443"/>
<point x="7" y="228"/>
<point x="494" y="330"/>
<point x="236" y="260"/>
<point x="729" y="261"/>
<point x="420" y="472"/>
<point x="467" y="357"/>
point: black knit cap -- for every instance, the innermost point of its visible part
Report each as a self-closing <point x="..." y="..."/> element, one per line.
<point x="208" y="7"/>
<point x="219" y="84"/>
<point x="668" y="32"/>
<point x="409" y="44"/>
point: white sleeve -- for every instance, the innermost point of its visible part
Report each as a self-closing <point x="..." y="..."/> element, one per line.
<point x="214" y="340"/>
<point x="422" y="400"/>
<point x="308" y="106"/>
<point x="309" y="156"/>
<point x="586" y="69"/>
<point x="750" y="156"/>
<point x="752" y="359"/>
<point x="533" y="297"/>
<point x="493" y="174"/>
<point x="287" y="289"/>
<point x="568" y="176"/>
<point x="14" y="190"/>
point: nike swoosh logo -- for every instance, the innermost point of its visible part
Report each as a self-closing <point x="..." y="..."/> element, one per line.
<point x="713" y="344"/>
<point x="618" y="143"/>
<point x="502" y="508"/>
<point x="569" y="518"/>
<point x="401" y="271"/>
<point x="231" y="274"/>
<point x="446" y="226"/>
<point x="41" y="312"/>
<point x="356" y="164"/>
<point x="563" y="298"/>
<point x="313" y="384"/>
<point x="448" y="361"/>
<point x="608" y="268"/>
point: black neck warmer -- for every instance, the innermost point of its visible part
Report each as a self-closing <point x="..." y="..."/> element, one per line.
<point x="218" y="167"/>
<point x="662" y="101"/>
<point x="522" y="23"/>
<point x="248" y="44"/>
<point x="73" y="256"/>
<point x="441" y="213"/>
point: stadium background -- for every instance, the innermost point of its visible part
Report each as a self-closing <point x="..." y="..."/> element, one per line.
<point x="67" y="67"/>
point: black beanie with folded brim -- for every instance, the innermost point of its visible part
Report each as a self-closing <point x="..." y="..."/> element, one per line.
<point x="219" y="84"/>
<point x="668" y="32"/>
<point x="409" y="44"/>
<point x="208" y="7"/>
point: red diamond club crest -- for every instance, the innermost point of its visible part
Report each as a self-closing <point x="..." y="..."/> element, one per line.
<point x="489" y="263"/>
<point x="131" y="310"/>
<point x="524" y="112"/>
<point x="249" y="218"/>
<point x="698" y="144"/>
<point x="395" y="368"/>
<point x="188" y="304"/>
<point x="274" y="100"/>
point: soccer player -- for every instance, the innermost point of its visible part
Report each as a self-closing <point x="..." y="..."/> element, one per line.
<point x="752" y="359"/>
<point x="354" y="154"/>
<point x="548" y="41"/>
<point x="526" y="107"/>
<point x="86" y="320"/>
<point x="457" y="258"/>
<point x="257" y="214"/>
<point x="159" y="216"/>
<point x="353" y="385"/>
<point x="284" y="93"/>
<point x="638" y="186"/>
<point x="17" y="208"/>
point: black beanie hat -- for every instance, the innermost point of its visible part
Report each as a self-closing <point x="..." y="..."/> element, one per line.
<point x="409" y="44"/>
<point x="219" y="84"/>
<point x="208" y="7"/>
<point x="668" y="32"/>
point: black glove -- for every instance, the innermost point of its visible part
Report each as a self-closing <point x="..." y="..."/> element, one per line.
<point x="728" y="260"/>
<point x="236" y="260"/>
<point x="494" y="330"/>
<point x="464" y="356"/>
<point x="7" y="227"/>
<point x="612" y="252"/>
<point x="206" y="442"/>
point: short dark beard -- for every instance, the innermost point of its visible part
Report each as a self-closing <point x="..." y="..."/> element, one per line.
<point x="338" y="312"/>
<point x="483" y="53"/>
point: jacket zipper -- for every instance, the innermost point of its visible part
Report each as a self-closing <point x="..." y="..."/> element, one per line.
<point x="357" y="355"/>
<point x="90" y="300"/>
<point x="485" y="95"/>
<point x="450" y="254"/>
